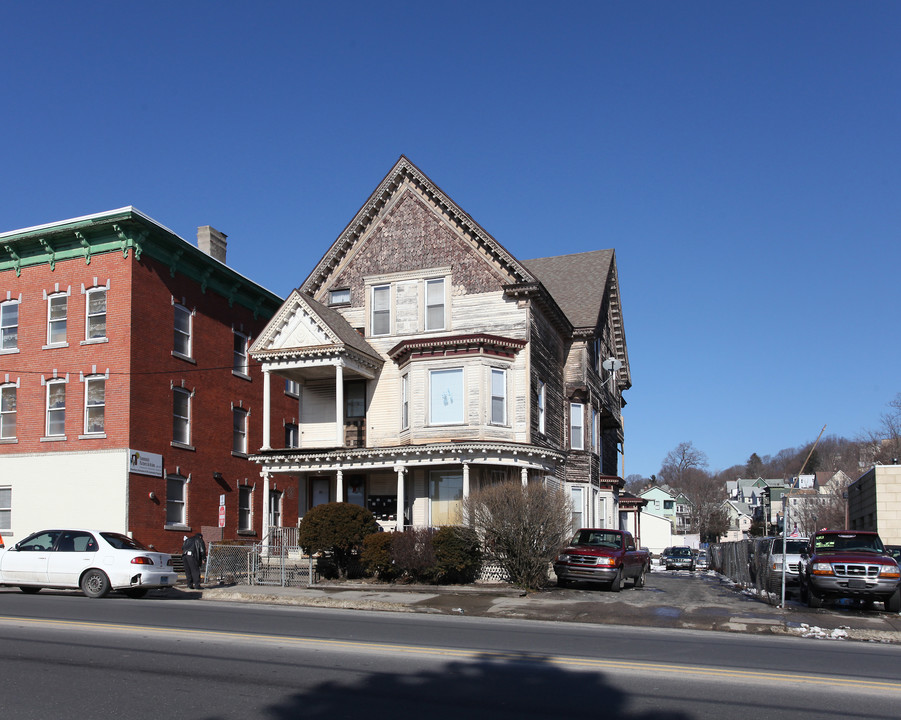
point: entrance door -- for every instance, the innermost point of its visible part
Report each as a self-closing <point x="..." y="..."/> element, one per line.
<point x="320" y="487"/>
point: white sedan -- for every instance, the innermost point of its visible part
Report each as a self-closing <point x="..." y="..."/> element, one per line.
<point x="94" y="561"/>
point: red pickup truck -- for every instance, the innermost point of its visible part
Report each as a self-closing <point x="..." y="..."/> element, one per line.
<point x="602" y="556"/>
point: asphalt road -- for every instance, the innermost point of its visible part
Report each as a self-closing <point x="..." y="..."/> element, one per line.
<point x="64" y="655"/>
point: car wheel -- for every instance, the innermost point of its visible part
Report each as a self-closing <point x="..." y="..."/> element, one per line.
<point x="29" y="589"/>
<point x="893" y="601"/>
<point x="95" y="584"/>
<point x="639" y="581"/>
<point x="561" y="583"/>
<point x="617" y="583"/>
<point x="813" y="600"/>
<point x="136" y="592"/>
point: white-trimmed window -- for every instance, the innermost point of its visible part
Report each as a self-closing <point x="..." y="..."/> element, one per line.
<point x="9" y="325"/>
<point x="176" y="500"/>
<point x="245" y="508"/>
<point x="8" y="412"/>
<point x="6" y="509"/>
<point x="239" y="430"/>
<point x="541" y="402"/>
<point x="275" y="509"/>
<point x="56" y="408"/>
<point x="446" y="397"/>
<point x="183" y="327"/>
<point x="292" y="435"/>
<point x="434" y="304"/>
<point x="94" y="405"/>
<point x="95" y="314"/>
<point x="292" y="388"/>
<point x="595" y="426"/>
<point x="240" y="363"/>
<point x="404" y="402"/>
<point x="381" y="310"/>
<point x="576" y="426"/>
<point x="498" y="396"/>
<point x="181" y="416"/>
<point x="339" y="297"/>
<point x="57" y="309"/>
<point x="578" y="507"/>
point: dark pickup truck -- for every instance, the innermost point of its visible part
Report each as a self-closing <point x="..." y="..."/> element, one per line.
<point x="849" y="564"/>
<point x="602" y="556"/>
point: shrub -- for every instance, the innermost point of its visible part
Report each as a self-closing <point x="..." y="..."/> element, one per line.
<point x="413" y="554"/>
<point x="458" y="555"/>
<point x="376" y="555"/>
<point x="521" y="528"/>
<point x="338" y="528"/>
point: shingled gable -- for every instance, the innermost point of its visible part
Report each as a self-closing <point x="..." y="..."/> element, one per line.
<point x="403" y="181"/>
<point x="303" y="324"/>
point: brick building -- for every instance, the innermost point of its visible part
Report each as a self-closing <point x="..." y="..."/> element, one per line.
<point x="128" y="400"/>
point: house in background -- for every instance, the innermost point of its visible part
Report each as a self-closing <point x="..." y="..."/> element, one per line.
<point x="664" y="501"/>
<point x="128" y="401"/>
<point x="741" y="516"/>
<point x="428" y="362"/>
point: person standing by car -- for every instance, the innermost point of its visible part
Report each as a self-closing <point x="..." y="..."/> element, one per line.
<point x="194" y="553"/>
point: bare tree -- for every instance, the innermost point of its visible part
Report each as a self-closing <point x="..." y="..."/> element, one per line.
<point x="679" y="461"/>
<point x="521" y="528"/>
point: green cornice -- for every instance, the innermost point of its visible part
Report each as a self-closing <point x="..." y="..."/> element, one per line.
<point x="127" y="230"/>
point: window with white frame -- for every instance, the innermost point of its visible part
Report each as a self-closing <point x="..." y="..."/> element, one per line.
<point x="498" y="396"/>
<point x="292" y="388"/>
<point x="245" y="508"/>
<point x="8" y="412"/>
<point x="578" y="507"/>
<point x="183" y="323"/>
<point x="434" y="304"/>
<point x="240" y="365"/>
<point x="576" y="431"/>
<point x="275" y="509"/>
<point x="176" y="500"/>
<point x="339" y="297"/>
<point x="57" y="309"/>
<point x="181" y="416"/>
<point x="404" y="402"/>
<point x="95" y="314"/>
<point x="56" y="408"/>
<point x="94" y="404"/>
<point x="6" y="509"/>
<point x="381" y="310"/>
<point x="239" y="430"/>
<point x="446" y="397"/>
<point x="541" y="401"/>
<point x="292" y="435"/>
<point x="9" y="325"/>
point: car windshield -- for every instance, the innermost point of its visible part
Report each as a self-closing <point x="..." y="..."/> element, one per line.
<point x="596" y="537"/>
<point x="792" y="547"/>
<point x="848" y="542"/>
<point x="122" y="542"/>
<point x="682" y="552"/>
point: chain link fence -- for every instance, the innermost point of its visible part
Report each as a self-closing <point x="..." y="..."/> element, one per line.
<point x="746" y="563"/>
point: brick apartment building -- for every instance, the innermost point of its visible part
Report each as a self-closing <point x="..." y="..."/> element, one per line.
<point x="128" y="400"/>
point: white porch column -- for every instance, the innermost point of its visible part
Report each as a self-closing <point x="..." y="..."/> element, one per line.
<point x="267" y="410"/>
<point x="339" y="405"/>
<point x="466" y="480"/>
<point x="524" y="474"/>
<point x="400" y="470"/>
<point x="339" y="485"/>
<point x="265" y="477"/>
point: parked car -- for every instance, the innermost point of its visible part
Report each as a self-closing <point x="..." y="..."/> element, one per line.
<point x="90" y="560"/>
<point x="849" y="564"/>
<point x="702" y="563"/>
<point x="793" y="549"/>
<point x="680" y="557"/>
<point x="603" y="556"/>
<point x="895" y="552"/>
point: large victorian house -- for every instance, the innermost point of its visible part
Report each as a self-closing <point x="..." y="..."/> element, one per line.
<point x="428" y="362"/>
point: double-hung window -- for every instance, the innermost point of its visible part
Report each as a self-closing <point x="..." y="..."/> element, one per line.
<point x="446" y="397"/>
<point x="183" y="322"/>
<point x="434" y="304"/>
<point x="6" y="509"/>
<point x="381" y="310"/>
<point x="95" y="323"/>
<point x="57" y="308"/>
<point x="7" y="412"/>
<point x="94" y="405"/>
<point x="405" y="402"/>
<point x="292" y="435"/>
<point x="181" y="416"/>
<point x="576" y="426"/>
<point x="498" y="397"/>
<point x="56" y="408"/>
<point x="245" y="508"/>
<point x="176" y="492"/>
<point x="239" y="431"/>
<point x="240" y="365"/>
<point x="9" y="325"/>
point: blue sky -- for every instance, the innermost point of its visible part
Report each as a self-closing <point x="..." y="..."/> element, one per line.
<point x="744" y="160"/>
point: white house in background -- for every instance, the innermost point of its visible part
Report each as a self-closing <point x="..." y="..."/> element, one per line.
<point x="741" y="515"/>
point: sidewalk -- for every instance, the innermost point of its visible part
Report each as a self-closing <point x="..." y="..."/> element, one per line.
<point x="669" y="599"/>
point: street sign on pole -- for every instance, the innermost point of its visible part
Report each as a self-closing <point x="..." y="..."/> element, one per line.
<point x="222" y="516"/>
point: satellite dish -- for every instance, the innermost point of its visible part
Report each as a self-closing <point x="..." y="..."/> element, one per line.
<point x="612" y="364"/>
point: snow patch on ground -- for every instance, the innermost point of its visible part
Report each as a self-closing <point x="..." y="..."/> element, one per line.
<point x="812" y="631"/>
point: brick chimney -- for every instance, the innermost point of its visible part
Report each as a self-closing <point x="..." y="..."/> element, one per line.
<point x="212" y="242"/>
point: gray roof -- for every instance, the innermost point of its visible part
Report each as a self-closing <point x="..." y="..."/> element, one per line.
<point x="339" y="325"/>
<point x="577" y="283"/>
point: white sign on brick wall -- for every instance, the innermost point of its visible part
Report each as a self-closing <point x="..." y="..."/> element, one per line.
<point x="145" y="463"/>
